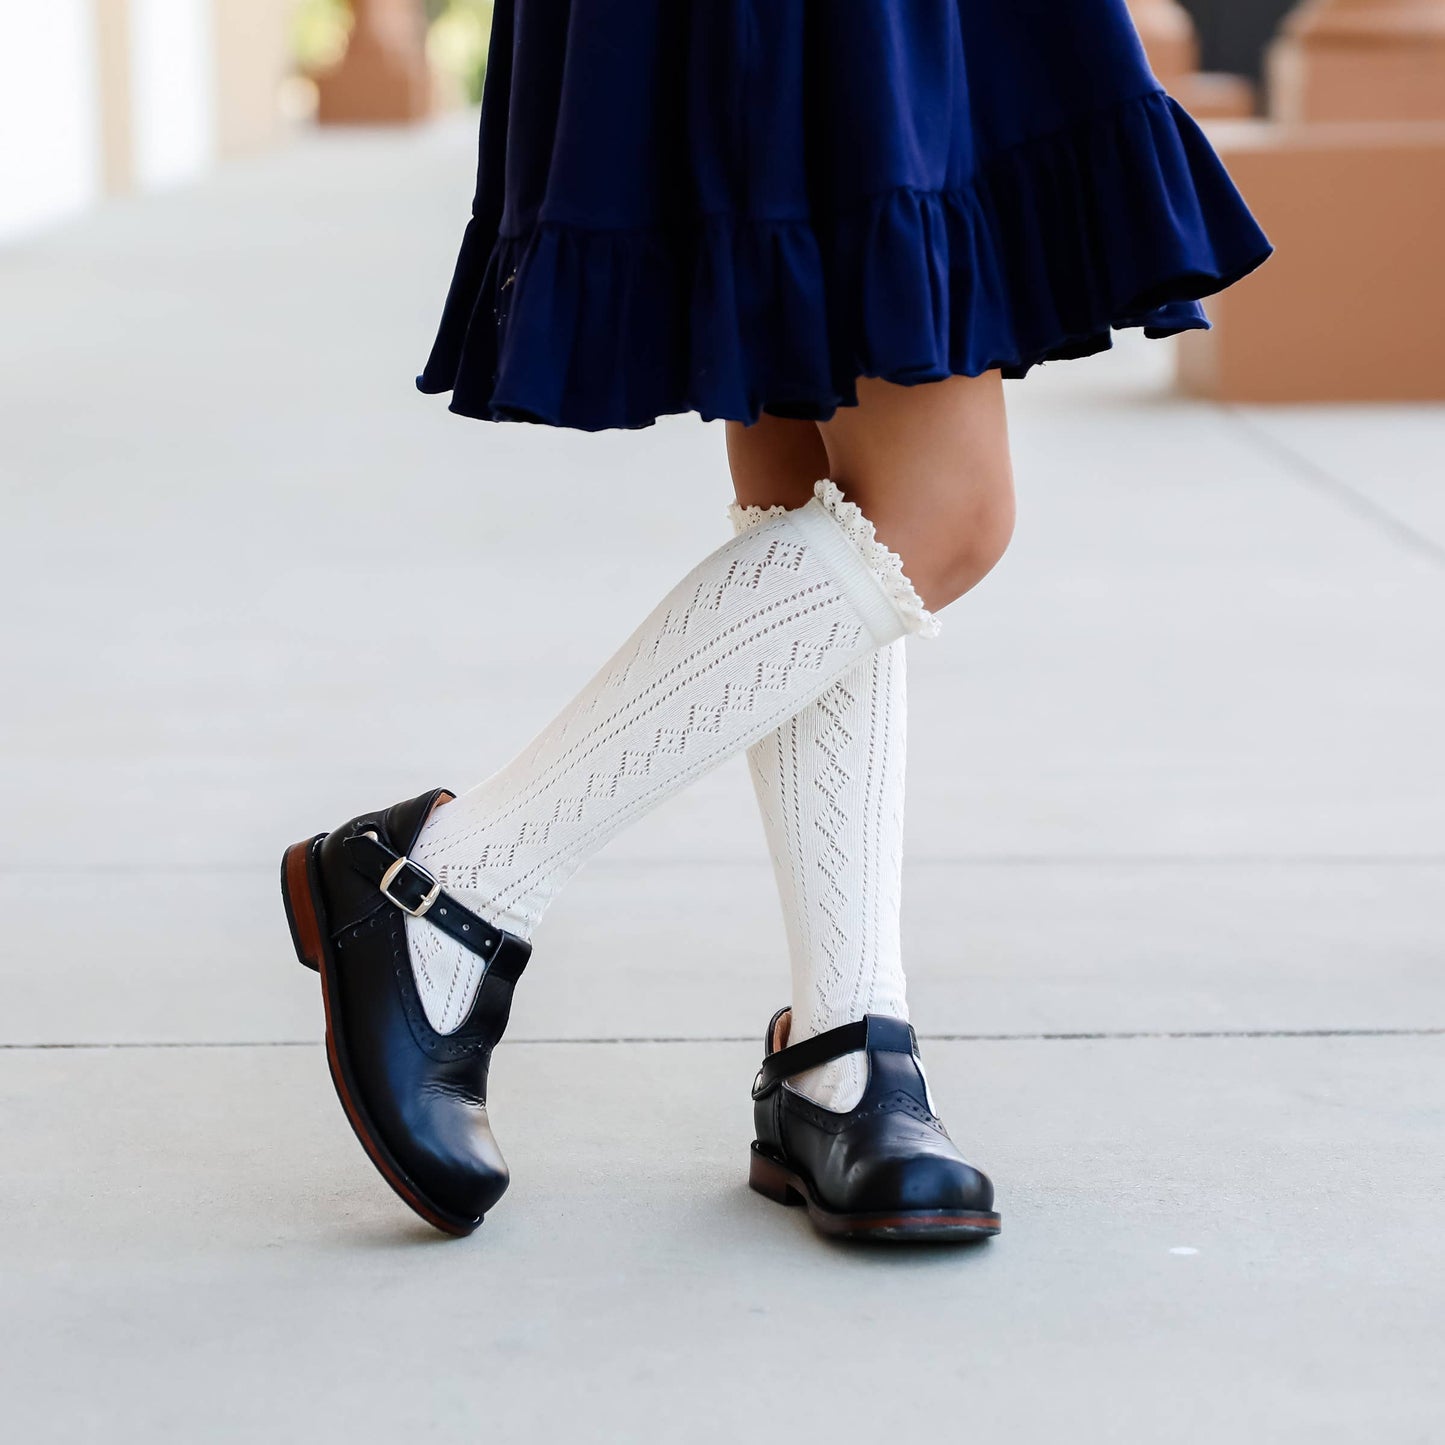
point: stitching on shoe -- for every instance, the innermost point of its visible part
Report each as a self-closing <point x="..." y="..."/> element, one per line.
<point x="830" y="1122"/>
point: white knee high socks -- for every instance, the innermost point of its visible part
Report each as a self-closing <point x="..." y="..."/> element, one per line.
<point x="754" y="634"/>
<point x="829" y="783"/>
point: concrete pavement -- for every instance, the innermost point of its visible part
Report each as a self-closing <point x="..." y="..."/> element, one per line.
<point x="1176" y="786"/>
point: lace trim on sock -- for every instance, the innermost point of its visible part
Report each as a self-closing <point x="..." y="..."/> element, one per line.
<point x="744" y="519"/>
<point x="887" y="565"/>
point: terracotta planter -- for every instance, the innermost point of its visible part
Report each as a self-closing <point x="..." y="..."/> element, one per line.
<point x="383" y="77"/>
<point x="1348" y="177"/>
<point x="1347" y="310"/>
<point x="1361" y="60"/>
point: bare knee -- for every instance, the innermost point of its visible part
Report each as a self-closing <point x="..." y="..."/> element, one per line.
<point x="950" y="534"/>
<point x="930" y="466"/>
<point x="967" y="544"/>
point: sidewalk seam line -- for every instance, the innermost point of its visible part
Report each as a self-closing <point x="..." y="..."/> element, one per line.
<point x="622" y="1040"/>
<point x="926" y="860"/>
<point x="1325" y="483"/>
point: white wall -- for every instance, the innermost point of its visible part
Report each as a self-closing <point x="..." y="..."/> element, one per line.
<point x="50" y="163"/>
<point x="173" y="89"/>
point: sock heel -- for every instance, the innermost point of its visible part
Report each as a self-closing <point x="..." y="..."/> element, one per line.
<point x="771" y="1180"/>
<point x="301" y="912"/>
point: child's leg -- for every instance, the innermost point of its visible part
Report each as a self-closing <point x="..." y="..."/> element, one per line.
<point x="830" y="780"/>
<point x="775" y="463"/>
<point x="829" y="784"/>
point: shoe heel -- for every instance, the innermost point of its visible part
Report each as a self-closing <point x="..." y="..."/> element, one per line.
<point x="771" y="1180"/>
<point x="300" y="906"/>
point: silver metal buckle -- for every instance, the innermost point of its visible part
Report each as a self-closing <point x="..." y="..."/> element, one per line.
<point x="389" y="877"/>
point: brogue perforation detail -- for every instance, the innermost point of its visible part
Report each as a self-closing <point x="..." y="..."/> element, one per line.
<point x="831" y="1122"/>
<point x="442" y="1047"/>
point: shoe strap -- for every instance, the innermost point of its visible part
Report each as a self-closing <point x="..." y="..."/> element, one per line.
<point x="414" y="890"/>
<point x="873" y="1034"/>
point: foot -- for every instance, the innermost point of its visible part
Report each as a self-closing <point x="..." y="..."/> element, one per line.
<point x="417" y="1099"/>
<point x="884" y="1170"/>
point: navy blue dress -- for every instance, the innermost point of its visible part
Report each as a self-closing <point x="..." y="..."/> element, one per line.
<point x="742" y="206"/>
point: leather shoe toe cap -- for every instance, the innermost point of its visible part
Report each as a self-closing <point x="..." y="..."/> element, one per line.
<point x="456" y="1159"/>
<point x="918" y="1181"/>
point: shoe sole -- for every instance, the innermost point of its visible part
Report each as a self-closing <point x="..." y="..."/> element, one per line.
<point x="306" y="915"/>
<point x="777" y="1182"/>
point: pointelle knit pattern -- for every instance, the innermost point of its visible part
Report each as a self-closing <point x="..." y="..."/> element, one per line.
<point x="755" y="633"/>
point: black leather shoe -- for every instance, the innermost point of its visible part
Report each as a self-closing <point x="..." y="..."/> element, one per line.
<point x="417" y="1099"/>
<point x="886" y="1170"/>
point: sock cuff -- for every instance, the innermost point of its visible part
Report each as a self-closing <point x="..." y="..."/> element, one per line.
<point x="885" y="564"/>
<point x="821" y="521"/>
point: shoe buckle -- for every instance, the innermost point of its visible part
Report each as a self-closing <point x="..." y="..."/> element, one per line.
<point x="419" y="879"/>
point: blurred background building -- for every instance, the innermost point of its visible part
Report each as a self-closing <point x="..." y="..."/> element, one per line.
<point x="106" y="97"/>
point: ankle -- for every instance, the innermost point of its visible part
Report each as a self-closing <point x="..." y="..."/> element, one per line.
<point x="839" y="1085"/>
